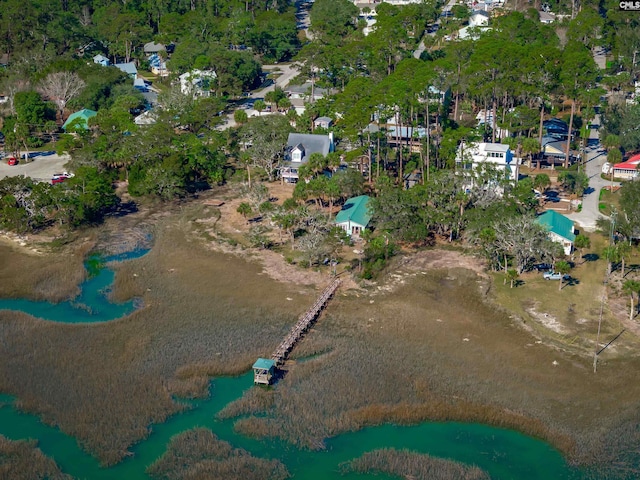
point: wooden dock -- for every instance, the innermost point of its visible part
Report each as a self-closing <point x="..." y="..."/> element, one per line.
<point x="303" y="324"/>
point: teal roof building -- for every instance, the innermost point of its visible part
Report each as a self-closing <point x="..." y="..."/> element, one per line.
<point x="263" y="371"/>
<point x="560" y="229"/>
<point x="354" y="216"/>
<point x="83" y="115"/>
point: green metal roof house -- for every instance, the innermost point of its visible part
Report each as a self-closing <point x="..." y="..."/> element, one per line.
<point x="560" y="229"/>
<point x="354" y="216"/>
<point x="83" y="115"/>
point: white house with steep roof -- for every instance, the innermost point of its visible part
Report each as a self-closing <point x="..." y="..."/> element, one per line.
<point x="300" y="146"/>
<point x="471" y="155"/>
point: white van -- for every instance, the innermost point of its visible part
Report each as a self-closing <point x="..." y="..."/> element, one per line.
<point x="607" y="168"/>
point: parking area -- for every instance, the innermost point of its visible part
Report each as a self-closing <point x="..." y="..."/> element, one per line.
<point x="41" y="166"/>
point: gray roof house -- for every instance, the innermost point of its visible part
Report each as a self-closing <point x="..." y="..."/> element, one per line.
<point x="304" y="91"/>
<point x="323" y="122"/>
<point x="300" y="146"/>
<point x="128" y="68"/>
<point x="101" y="60"/>
<point x="153" y="47"/>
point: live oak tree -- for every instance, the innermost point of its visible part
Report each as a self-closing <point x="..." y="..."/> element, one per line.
<point x="60" y="87"/>
<point x="268" y="138"/>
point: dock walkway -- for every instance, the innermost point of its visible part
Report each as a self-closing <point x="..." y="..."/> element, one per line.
<point x="303" y="324"/>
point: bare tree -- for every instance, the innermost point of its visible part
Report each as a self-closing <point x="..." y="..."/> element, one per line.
<point x="60" y="87"/>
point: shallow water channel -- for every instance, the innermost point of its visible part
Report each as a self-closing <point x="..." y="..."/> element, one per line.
<point x="504" y="454"/>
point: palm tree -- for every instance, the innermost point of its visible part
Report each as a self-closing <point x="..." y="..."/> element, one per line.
<point x="611" y="254"/>
<point x="581" y="242"/>
<point x="624" y="249"/>
<point x="542" y="182"/>
<point x="512" y="276"/>
<point x="563" y="268"/>
<point x="529" y="147"/>
<point x="631" y="287"/>
<point x="259" y="106"/>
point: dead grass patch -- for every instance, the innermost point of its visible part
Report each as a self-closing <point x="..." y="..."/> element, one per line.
<point x="23" y="459"/>
<point x="198" y="453"/>
<point x="39" y="277"/>
<point x="205" y="314"/>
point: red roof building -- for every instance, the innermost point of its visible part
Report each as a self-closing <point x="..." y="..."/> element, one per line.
<point x="629" y="169"/>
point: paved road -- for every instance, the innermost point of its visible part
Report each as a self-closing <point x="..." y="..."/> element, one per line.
<point x="596" y="156"/>
<point x="286" y="70"/>
<point x="421" y="47"/>
<point x="599" y="55"/>
<point x="41" y="168"/>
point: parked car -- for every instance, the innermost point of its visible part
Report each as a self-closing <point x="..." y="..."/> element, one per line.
<point x="12" y="161"/>
<point x="60" y="177"/>
<point x="542" y="267"/>
<point x="555" y="276"/>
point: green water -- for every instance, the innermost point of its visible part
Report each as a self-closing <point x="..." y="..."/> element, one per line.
<point x="92" y="305"/>
<point x="503" y="454"/>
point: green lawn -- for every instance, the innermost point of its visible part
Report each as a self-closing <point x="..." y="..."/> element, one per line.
<point x="566" y="317"/>
<point x="608" y="201"/>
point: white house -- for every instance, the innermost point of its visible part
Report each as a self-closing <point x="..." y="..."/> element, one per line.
<point x="560" y="229"/>
<point x="485" y="117"/>
<point x="354" y="216"/>
<point x="197" y="82"/>
<point x="479" y="18"/>
<point x="323" y="122"/>
<point x="627" y="170"/>
<point x="300" y="146"/>
<point x="471" y="33"/>
<point x="472" y="155"/>
<point x="101" y="60"/>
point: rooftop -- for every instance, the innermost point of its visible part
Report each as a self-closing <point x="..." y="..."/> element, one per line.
<point x="153" y="47"/>
<point x="84" y="115"/>
<point x="356" y="210"/>
<point x="557" y="223"/>
<point x="264" y="364"/>
<point x="129" y="68"/>
<point x="311" y="143"/>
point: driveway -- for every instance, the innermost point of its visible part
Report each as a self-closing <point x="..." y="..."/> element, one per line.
<point x="596" y="156"/>
<point x="286" y="70"/>
<point x="41" y="167"/>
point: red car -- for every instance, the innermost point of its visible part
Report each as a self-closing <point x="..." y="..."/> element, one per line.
<point x="12" y="161"/>
<point x="60" y="177"/>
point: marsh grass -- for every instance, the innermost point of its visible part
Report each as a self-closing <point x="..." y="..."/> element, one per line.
<point x="53" y="277"/>
<point x="198" y="453"/>
<point x="436" y="349"/>
<point x="23" y="459"/>
<point x="406" y="464"/>
<point x="204" y="314"/>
